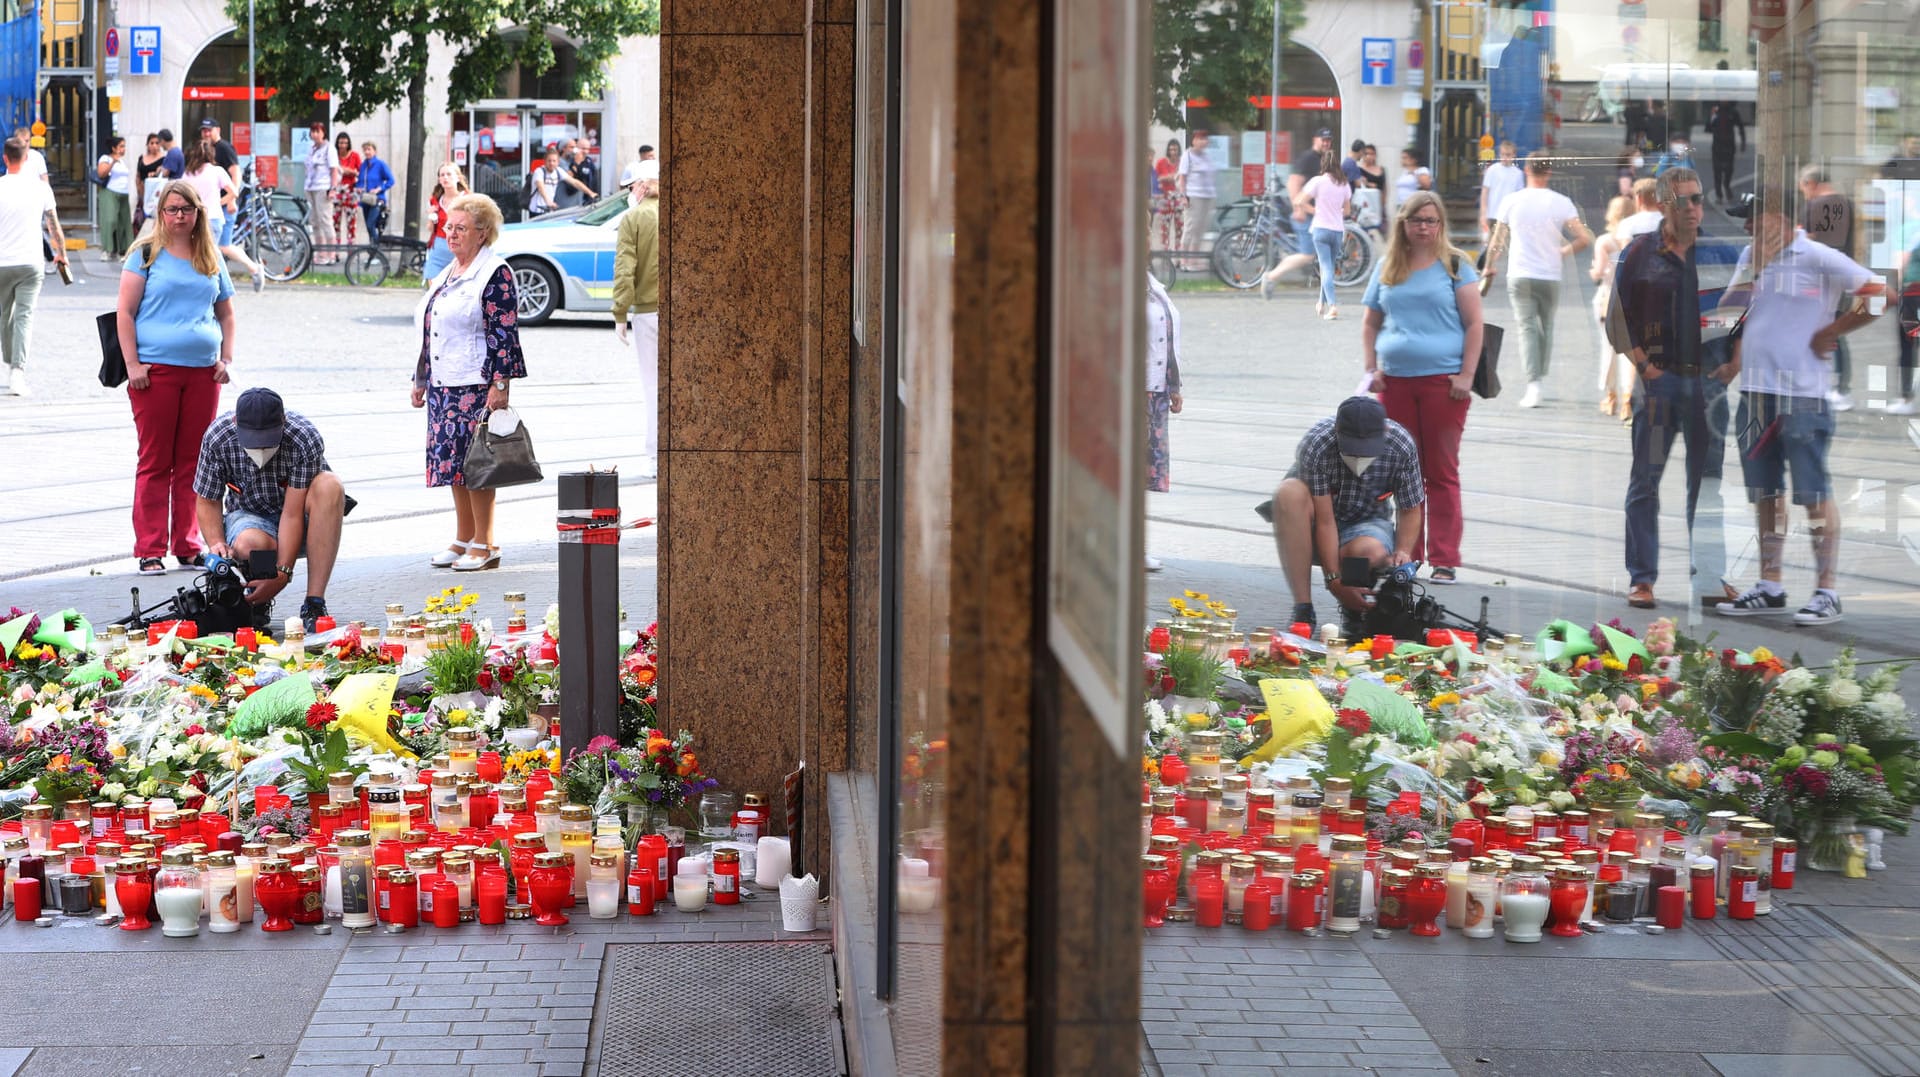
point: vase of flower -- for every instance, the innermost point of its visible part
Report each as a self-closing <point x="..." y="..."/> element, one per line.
<point x="1824" y="842"/>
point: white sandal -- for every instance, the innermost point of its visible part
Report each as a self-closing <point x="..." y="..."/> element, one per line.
<point x="479" y="556"/>
<point x="453" y="554"/>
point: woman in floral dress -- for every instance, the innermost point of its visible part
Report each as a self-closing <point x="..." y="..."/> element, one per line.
<point x="469" y="355"/>
<point x="346" y="200"/>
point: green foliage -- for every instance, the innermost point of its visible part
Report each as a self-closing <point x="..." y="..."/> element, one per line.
<point x="327" y="756"/>
<point x="1220" y="50"/>
<point x="1194" y="672"/>
<point x="1351" y="757"/>
<point x="455" y="668"/>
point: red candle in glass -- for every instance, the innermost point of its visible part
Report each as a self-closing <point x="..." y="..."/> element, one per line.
<point x="1565" y="902"/>
<point x="1209" y="899"/>
<point x="1392" y="911"/>
<point x="278" y="892"/>
<point x="134" y="891"/>
<point x="1669" y="906"/>
<point x="490" y="893"/>
<point x="1257" y="913"/>
<point x="1302" y="912"/>
<point x="403" y="897"/>
<point x="1382" y="646"/>
<point x="1743" y="892"/>
<point x="1786" y="855"/>
<point x="640" y="888"/>
<point x="26" y="899"/>
<point x="1474" y="831"/>
<point x="310" y="877"/>
<point x="551" y="881"/>
<point x="487" y="767"/>
<point x="1426" y="899"/>
<point x="1173" y="770"/>
<point x="1301" y="629"/>
<point x="1159" y="639"/>
<point x="1702" y="882"/>
<point x="446" y="902"/>
<point x="246" y="640"/>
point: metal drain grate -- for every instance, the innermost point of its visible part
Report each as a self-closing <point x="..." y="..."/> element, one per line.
<point x="707" y="1008"/>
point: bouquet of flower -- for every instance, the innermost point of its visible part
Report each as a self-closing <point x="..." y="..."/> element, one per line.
<point x="1350" y="751"/>
<point x="1598" y="767"/>
<point x="639" y="685"/>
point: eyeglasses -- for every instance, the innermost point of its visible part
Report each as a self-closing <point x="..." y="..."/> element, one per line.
<point x="179" y="211"/>
<point x="1423" y="222"/>
<point x="1694" y="199"/>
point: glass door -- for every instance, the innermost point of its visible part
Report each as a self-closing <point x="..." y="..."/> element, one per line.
<point x="498" y="145"/>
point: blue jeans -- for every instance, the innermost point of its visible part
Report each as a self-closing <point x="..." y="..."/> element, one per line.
<point x="1695" y="408"/>
<point x="1326" y="244"/>
<point x="439" y="257"/>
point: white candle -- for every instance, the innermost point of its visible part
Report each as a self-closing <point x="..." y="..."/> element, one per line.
<point x="919" y="894"/>
<point x="330" y="894"/>
<point x="774" y="861"/>
<point x="603" y="898"/>
<point x="690" y="891"/>
<point x="1525" y="914"/>
<point x="179" y="910"/>
<point x="243" y="876"/>
<point x="694" y="865"/>
<point x="219" y="906"/>
<point x="113" y="896"/>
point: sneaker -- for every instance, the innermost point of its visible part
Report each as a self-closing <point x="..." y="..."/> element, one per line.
<point x="17" y="381"/>
<point x="1840" y="401"/>
<point x="1823" y="608"/>
<point x="1754" y="603"/>
<point x="312" y="610"/>
<point x="259" y="282"/>
<point x="1903" y="406"/>
<point x="1531" y="399"/>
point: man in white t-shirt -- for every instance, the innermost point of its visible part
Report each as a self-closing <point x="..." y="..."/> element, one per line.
<point x="27" y="215"/>
<point x="1503" y="178"/>
<point x="1648" y="215"/>
<point x="1196" y="182"/>
<point x="35" y="164"/>
<point x="1544" y="228"/>
<point x="1784" y="357"/>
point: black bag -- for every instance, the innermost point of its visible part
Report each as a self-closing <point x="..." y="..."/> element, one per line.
<point x="1486" y="376"/>
<point x="496" y="460"/>
<point x="113" y="365"/>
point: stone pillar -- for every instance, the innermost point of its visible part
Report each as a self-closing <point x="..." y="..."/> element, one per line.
<point x="756" y="105"/>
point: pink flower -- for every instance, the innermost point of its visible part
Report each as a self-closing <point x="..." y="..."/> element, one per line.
<point x="601" y="743"/>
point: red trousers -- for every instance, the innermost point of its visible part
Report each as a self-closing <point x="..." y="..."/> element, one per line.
<point x="1436" y="420"/>
<point x="170" y="415"/>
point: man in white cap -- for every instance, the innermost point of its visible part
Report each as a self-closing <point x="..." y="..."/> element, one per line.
<point x="636" y="294"/>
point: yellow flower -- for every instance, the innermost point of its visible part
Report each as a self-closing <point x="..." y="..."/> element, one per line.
<point x="1549" y="759"/>
<point x="1177" y="603"/>
<point x="1393" y="678"/>
<point x="1761" y="654"/>
<point x="469" y="600"/>
<point x="1193" y="613"/>
<point x="1195" y="594"/>
<point x="1610" y="662"/>
<point x="457" y="716"/>
<point x="1649" y="690"/>
<point x="1446" y="699"/>
<point x="1198" y="720"/>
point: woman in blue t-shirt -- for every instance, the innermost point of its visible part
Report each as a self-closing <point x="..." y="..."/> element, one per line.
<point x="176" y="331"/>
<point x="1421" y="338"/>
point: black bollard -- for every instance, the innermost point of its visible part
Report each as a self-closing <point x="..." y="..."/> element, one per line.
<point x="589" y="533"/>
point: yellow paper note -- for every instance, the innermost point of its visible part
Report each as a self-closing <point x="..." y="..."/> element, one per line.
<point x="1297" y="713"/>
<point x="363" y="700"/>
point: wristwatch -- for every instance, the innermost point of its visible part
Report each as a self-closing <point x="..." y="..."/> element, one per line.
<point x="285" y="570"/>
<point x="500" y="384"/>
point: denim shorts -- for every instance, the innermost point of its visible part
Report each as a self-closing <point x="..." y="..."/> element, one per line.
<point x="226" y="232"/>
<point x="1782" y="436"/>
<point x="241" y="520"/>
<point x="1376" y="527"/>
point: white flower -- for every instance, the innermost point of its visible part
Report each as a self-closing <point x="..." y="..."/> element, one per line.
<point x="1843" y="692"/>
<point x="1888" y="707"/>
<point x="113" y="791"/>
<point x="1561" y="800"/>
<point x="1795" y="681"/>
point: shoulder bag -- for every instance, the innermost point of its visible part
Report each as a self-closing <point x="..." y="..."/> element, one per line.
<point x="500" y="459"/>
<point x="113" y="365"/>
<point x="1486" y="376"/>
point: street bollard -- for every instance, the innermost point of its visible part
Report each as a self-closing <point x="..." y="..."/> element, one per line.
<point x="589" y="536"/>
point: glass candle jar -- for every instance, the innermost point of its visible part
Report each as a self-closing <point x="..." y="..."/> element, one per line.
<point x="446" y="903"/>
<point x="386" y="813"/>
<point x="1640" y="877"/>
<point x="36" y="820"/>
<point x="356" y="877"/>
<point x="549" y="884"/>
<point x="457" y="868"/>
<point x="463" y="751"/>
<point x="1346" y="879"/>
<point x="1426" y="899"/>
<point x="449" y="811"/>
<point x="1743" y="891"/>
<point x="576" y="840"/>
<point x="490" y="893"/>
<point x="1393" y="898"/>
<point x="1476" y="920"/>
<point x="1306" y="820"/>
<point x="178" y="895"/>
<point x="403" y="898"/>
<point x="1525" y="900"/>
<point x="1786" y="856"/>
<point x="1757" y="853"/>
<point x="133" y="892"/>
<point x="1156" y="888"/>
<point x="1336" y="794"/>
<point x="1568" y="899"/>
<point x="1203" y="753"/>
<point x="312" y="879"/>
<point x="726" y="876"/>
<point x="1239" y="876"/>
<point x="603" y="884"/>
<point x="1701" y="880"/>
<point x="223" y="893"/>
<point x="278" y="892"/>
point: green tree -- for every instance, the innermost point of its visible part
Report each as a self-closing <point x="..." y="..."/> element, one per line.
<point x="372" y="54"/>
<point x="1217" y="50"/>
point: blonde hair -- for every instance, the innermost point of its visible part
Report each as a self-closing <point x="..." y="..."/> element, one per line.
<point x="1394" y="267"/>
<point x="206" y="255"/>
<point x="1619" y="208"/>
<point x="479" y="209"/>
<point x="460" y="181"/>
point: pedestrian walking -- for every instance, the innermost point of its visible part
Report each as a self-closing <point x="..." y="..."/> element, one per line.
<point x="114" y="217"/>
<point x="1414" y="176"/>
<point x="375" y="180"/>
<point x="147" y="178"/>
<point x="469" y="356"/>
<point x="1785" y="421"/>
<point x="28" y="223"/>
<point x="1163" y="389"/>
<point x="1827" y="217"/>
<point x="1196" y="186"/>
<point x="1906" y="326"/>
<point x="177" y="333"/>
<point x="1420" y="342"/>
<point x="1310" y="164"/>
<point x="1543" y="227"/>
<point x="1169" y="205"/>
<point x="1616" y="372"/>
<point x="1370" y="192"/>
<point x="345" y="197"/>
<point x="1654" y="320"/>
<point x="323" y="178"/>
<point x="448" y="183"/>
<point x="1329" y="199"/>
<point x="1503" y="178"/>
<point x="636" y="296"/>
<point x="1727" y="133"/>
<point x="219" y="199"/>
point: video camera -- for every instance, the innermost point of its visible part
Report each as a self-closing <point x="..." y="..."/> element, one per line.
<point x="1401" y="607"/>
<point x="216" y="601"/>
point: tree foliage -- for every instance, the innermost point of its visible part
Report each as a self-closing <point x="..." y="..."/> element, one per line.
<point x="1219" y="50"/>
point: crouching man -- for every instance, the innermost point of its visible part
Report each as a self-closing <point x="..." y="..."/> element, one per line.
<point x="1334" y="503"/>
<point x="263" y="484"/>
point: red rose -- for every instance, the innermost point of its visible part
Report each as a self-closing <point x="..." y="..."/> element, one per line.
<point x="195" y="729"/>
<point x="485" y="681"/>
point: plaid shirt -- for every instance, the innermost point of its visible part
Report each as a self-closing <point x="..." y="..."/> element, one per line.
<point x="227" y="473"/>
<point x="1395" y="474"/>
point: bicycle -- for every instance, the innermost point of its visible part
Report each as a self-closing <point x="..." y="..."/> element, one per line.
<point x="1243" y="255"/>
<point x="280" y="246"/>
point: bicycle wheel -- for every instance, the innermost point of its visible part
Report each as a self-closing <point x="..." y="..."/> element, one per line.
<point x="1356" y="258"/>
<point x="1164" y="267"/>
<point x="1241" y="257"/>
<point x="367" y="266"/>
<point x="282" y="248"/>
